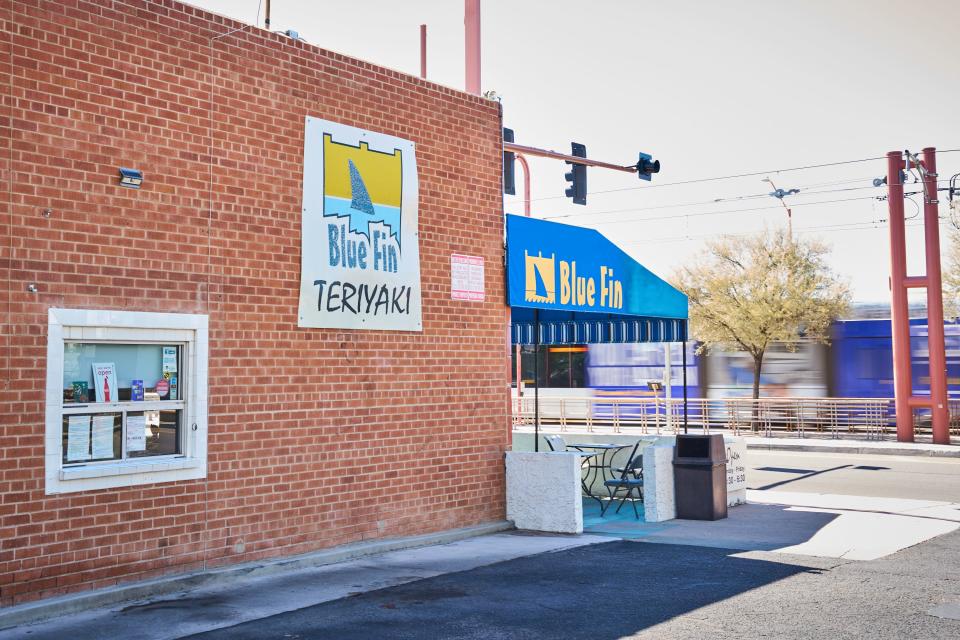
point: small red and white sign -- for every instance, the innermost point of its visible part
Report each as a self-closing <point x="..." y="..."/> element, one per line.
<point x="466" y="277"/>
<point x="163" y="388"/>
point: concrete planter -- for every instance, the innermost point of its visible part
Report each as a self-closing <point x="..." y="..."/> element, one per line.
<point x="543" y="491"/>
<point x="558" y="482"/>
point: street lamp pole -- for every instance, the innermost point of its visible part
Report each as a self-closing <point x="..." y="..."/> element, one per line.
<point x="779" y="193"/>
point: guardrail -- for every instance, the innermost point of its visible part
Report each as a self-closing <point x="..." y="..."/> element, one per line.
<point x="874" y="418"/>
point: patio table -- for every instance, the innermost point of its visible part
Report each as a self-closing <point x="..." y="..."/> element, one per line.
<point x="598" y="464"/>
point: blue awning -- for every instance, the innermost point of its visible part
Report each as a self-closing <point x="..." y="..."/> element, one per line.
<point x="584" y="289"/>
<point x="565" y="327"/>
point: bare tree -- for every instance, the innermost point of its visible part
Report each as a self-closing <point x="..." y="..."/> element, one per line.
<point x="951" y="277"/>
<point x="748" y="292"/>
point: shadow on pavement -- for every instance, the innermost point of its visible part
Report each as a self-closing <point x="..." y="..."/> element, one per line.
<point x="602" y="591"/>
<point x="749" y="527"/>
<point x="803" y="476"/>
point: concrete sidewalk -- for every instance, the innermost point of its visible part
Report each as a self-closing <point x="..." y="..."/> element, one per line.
<point x="253" y="596"/>
<point x="804" y="524"/>
<point x="863" y="447"/>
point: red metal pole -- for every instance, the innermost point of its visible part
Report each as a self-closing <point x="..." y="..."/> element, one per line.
<point x="935" y="340"/>
<point x="423" y="51"/>
<point x="526" y="184"/>
<point x="471" y="24"/>
<point x="899" y="317"/>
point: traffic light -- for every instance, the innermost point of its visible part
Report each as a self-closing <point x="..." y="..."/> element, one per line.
<point x="509" y="158"/>
<point x="577" y="176"/>
<point x="647" y="166"/>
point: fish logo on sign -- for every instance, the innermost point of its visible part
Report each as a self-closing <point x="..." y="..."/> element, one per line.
<point x="365" y="186"/>
<point x="540" y="278"/>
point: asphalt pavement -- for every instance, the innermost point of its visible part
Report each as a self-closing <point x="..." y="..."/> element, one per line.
<point x="639" y="590"/>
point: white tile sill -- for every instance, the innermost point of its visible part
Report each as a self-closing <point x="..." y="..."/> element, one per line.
<point x="129" y="467"/>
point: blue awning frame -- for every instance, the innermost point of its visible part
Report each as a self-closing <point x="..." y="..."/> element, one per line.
<point x="573" y="327"/>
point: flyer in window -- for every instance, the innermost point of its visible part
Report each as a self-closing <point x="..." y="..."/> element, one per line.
<point x="136" y="433"/>
<point x="136" y="390"/>
<point x="102" y="437"/>
<point x="80" y="391"/>
<point x="169" y="360"/>
<point x="105" y="381"/>
<point x="78" y="438"/>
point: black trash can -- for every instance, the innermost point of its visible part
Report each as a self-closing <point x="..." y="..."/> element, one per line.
<point x="700" y="477"/>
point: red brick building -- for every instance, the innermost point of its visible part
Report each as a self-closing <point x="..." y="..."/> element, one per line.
<point x="311" y="437"/>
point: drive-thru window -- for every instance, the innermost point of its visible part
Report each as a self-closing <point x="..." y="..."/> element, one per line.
<point x="126" y="398"/>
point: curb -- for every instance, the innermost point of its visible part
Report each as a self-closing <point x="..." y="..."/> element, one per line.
<point x="75" y="603"/>
<point x="859" y="449"/>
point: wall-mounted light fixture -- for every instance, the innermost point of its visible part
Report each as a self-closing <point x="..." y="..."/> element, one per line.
<point x="130" y="178"/>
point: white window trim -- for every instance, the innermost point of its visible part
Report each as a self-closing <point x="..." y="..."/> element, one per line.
<point x="127" y="326"/>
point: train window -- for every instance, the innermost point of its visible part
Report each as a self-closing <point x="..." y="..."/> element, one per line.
<point x="560" y="366"/>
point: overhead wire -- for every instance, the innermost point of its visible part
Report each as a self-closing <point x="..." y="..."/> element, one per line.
<point x="744" y="210"/>
<point x="851" y="226"/>
<point x="705" y="202"/>
<point x="737" y="175"/>
<point x="765" y="194"/>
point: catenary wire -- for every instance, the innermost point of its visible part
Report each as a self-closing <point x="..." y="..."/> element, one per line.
<point x="737" y="175"/>
<point x="744" y="210"/>
<point x="713" y="201"/>
<point x="859" y="226"/>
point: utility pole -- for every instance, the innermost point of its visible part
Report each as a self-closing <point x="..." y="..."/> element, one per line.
<point x="471" y="25"/>
<point x="900" y="282"/>
<point x="423" y="51"/>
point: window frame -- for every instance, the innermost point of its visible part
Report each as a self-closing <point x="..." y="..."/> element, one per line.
<point x="190" y="332"/>
<point x="123" y="407"/>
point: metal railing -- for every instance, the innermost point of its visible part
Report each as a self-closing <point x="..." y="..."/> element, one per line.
<point x="873" y="418"/>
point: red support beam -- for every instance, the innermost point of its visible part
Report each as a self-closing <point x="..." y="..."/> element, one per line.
<point x="906" y="402"/>
<point x="899" y="318"/>
<point x="526" y="184"/>
<point x="935" y="339"/>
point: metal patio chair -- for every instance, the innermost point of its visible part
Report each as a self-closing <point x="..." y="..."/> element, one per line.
<point x="631" y="479"/>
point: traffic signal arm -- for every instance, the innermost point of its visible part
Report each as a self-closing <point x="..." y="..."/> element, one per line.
<point x="544" y="153"/>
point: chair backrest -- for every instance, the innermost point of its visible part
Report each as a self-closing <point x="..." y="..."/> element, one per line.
<point x="633" y="462"/>
<point x="556" y="443"/>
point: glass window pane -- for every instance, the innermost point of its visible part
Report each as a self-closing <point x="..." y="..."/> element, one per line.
<point x="160" y="431"/>
<point x="92" y="437"/>
<point x="558" y="367"/>
<point x="578" y="367"/>
<point x="98" y="372"/>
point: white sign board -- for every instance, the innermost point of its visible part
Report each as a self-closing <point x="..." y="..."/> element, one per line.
<point x="360" y="255"/>
<point x="736" y="470"/>
<point x="466" y="277"/>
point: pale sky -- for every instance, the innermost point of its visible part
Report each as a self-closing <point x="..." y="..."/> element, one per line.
<point x="709" y="88"/>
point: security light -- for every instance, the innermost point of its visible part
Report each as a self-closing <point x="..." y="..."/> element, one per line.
<point x="130" y="178"/>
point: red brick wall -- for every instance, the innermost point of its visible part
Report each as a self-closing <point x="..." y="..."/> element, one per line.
<point x="316" y="437"/>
